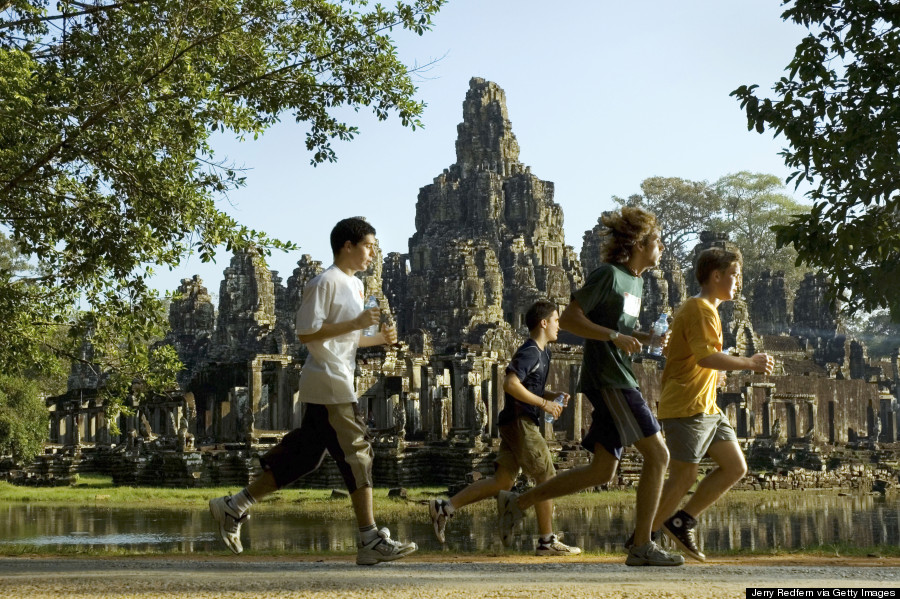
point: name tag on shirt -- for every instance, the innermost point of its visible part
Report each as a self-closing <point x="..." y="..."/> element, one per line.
<point x="632" y="305"/>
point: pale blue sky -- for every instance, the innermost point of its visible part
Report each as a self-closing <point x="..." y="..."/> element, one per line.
<point x="601" y="95"/>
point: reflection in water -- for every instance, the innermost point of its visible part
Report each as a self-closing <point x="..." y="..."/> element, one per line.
<point x="790" y="520"/>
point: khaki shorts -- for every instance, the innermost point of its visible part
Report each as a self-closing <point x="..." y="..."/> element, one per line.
<point x="689" y="438"/>
<point x="522" y="446"/>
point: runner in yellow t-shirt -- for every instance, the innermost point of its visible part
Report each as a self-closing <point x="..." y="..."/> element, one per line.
<point x="693" y="424"/>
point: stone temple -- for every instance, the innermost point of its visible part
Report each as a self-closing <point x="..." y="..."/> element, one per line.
<point x="489" y="241"/>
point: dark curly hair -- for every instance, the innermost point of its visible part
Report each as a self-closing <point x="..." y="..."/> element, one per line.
<point x="626" y="228"/>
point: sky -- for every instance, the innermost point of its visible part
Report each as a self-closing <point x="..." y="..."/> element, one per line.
<point x="601" y="96"/>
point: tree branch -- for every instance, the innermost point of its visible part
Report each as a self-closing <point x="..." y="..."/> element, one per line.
<point x="69" y="15"/>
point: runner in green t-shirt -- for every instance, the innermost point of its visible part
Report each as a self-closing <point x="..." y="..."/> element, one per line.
<point x="605" y="312"/>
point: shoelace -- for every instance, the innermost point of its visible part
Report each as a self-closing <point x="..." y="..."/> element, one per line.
<point x="233" y="524"/>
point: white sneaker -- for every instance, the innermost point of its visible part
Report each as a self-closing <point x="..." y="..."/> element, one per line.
<point x="555" y="547"/>
<point x="509" y="515"/>
<point x="382" y="549"/>
<point x="652" y="554"/>
<point x="229" y="524"/>
<point x="439" y="517"/>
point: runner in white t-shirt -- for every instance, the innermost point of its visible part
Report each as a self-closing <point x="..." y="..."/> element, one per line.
<point x="330" y="323"/>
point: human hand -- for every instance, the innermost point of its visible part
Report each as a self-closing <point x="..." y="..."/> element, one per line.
<point x="627" y="344"/>
<point x="552" y="395"/>
<point x="552" y="408"/>
<point x="762" y="363"/>
<point x="367" y="318"/>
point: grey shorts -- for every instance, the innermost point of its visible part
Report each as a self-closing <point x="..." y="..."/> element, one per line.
<point x="689" y="438"/>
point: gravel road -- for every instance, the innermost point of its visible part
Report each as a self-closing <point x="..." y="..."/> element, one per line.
<point x="428" y="576"/>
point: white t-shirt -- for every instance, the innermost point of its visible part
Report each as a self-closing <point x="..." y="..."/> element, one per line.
<point x="327" y="376"/>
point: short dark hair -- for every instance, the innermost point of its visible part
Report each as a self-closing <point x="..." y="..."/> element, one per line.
<point x="712" y="259"/>
<point x="538" y="311"/>
<point x="350" y="229"/>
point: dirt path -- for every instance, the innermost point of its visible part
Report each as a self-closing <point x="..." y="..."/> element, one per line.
<point x="428" y="576"/>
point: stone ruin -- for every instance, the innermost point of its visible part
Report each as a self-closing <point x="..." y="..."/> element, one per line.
<point x="489" y="241"/>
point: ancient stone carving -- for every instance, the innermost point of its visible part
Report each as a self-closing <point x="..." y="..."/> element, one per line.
<point x="489" y="237"/>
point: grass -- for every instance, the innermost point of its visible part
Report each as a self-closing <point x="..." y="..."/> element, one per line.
<point x="92" y="489"/>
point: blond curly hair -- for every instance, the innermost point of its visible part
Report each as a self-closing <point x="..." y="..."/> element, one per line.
<point x="626" y="228"/>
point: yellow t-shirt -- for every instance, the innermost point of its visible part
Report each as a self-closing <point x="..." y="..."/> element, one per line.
<point x="689" y="389"/>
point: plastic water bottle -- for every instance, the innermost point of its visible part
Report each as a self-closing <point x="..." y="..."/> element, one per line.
<point x="371" y="302"/>
<point x="560" y="399"/>
<point x="658" y="329"/>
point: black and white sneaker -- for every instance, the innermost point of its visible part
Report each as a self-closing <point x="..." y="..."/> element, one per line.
<point x="437" y="509"/>
<point x="555" y="547"/>
<point x="228" y="522"/>
<point x="680" y="528"/>
<point x="382" y="549"/>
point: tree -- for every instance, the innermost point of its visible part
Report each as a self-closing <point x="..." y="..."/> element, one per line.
<point x="751" y="204"/>
<point x="875" y="329"/>
<point x="24" y="421"/>
<point x="744" y="205"/>
<point x="839" y="112"/>
<point x="683" y="208"/>
<point x="106" y="163"/>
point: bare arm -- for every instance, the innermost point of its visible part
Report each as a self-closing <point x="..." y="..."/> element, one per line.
<point x="761" y="363"/>
<point x="513" y="386"/>
<point x="386" y="336"/>
<point x="574" y="320"/>
<point x="335" y="329"/>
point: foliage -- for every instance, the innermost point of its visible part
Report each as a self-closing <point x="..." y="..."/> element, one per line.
<point x="838" y="109"/>
<point x="683" y="208"/>
<point x="106" y="164"/>
<point x="877" y="331"/>
<point x="23" y="419"/>
<point x="752" y="203"/>
<point x="744" y="205"/>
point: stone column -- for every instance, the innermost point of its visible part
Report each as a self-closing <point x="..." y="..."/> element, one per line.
<point x="496" y="399"/>
<point x="426" y="402"/>
<point x="255" y="394"/>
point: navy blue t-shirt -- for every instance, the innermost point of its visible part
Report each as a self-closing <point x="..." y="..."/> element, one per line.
<point x="531" y="364"/>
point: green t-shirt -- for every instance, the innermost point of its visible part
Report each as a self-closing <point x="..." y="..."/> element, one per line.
<point x="611" y="298"/>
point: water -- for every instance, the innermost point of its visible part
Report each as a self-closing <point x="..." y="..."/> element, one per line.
<point x="791" y="520"/>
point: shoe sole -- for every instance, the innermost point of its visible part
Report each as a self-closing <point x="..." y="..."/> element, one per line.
<point x="674" y="538"/>
<point x="218" y="515"/>
<point x="556" y="553"/>
<point x="434" y="521"/>
<point x="387" y="558"/>
<point x="645" y="562"/>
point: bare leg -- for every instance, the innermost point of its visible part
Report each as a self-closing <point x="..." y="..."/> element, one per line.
<point x="484" y="488"/>
<point x="730" y="469"/>
<point x="544" y="512"/>
<point x="264" y="485"/>
<point x="656" y="459"/>
<point x="362" y="506"/>
<point x="681" y="476"/>
<point x="598" y="472"/>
